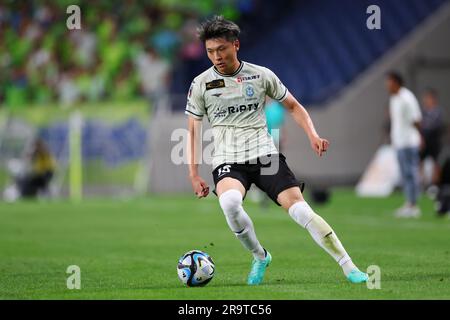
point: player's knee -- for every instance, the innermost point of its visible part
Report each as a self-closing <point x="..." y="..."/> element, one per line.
<point x="230" y="201"/>
<point x="304" y="215"/>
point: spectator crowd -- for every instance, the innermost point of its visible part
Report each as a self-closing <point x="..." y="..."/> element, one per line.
<point x="123" y="49"/>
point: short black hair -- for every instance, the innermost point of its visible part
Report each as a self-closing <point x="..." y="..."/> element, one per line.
<point x="218" y="27"/>
<point x="394" y="75"/>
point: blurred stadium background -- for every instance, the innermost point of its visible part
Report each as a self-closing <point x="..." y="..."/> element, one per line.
<point x="128" y="69"/>
<point x="126" y="74"/>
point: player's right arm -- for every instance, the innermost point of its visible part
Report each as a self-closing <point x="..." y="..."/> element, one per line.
<point x="276" y="90"/>
<point x="302" y="118"/>
<point x="195" y="109"/>
<point x="199" y="185"/>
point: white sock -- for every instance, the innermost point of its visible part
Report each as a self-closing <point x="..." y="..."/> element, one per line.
<point x="240" y="223"/>
<point x="322" y="234"/>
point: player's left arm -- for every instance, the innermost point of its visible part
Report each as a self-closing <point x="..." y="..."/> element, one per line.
<point x="302" y="118"/>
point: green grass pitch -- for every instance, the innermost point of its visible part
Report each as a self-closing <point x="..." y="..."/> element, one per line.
<point x="129" y="250"/>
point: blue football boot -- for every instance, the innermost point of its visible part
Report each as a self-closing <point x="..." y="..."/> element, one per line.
<point x="356" y="276"/>
<point x="256" y="274"/>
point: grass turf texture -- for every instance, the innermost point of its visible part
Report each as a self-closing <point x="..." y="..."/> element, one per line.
<point x="129" y="250"/>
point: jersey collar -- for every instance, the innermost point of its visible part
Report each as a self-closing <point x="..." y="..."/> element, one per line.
<point x="230" y="75"/>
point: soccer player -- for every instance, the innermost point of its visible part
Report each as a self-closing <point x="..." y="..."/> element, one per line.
<point x="232" y="95"/>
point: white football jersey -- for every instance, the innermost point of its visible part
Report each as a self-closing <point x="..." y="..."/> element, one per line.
<point x="234" y="106"/>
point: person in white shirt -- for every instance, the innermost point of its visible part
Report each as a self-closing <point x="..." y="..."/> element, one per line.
<point x="405" y="116"/>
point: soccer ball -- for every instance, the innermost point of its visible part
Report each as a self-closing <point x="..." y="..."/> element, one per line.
<point x="195" y="268"/>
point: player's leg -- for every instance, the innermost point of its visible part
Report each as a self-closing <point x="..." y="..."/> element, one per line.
<point x="231" y="192"/>
<point x="409" y="167"/>
<point x="280" y="184"/>
<point x="412" y="180"/>
<point x="423" y="154"/>
<point x="402" y="164"/>
<point x="292" y="200"/>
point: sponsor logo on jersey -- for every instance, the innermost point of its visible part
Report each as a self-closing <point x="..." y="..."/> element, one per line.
<point x="249" y="91"/>
<point x="243" y="107"/>
<point x="247" y="78"/>
<point x="236" y="109"/>
<point x="220" y="113"/>
<point x="219" y="83"/>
